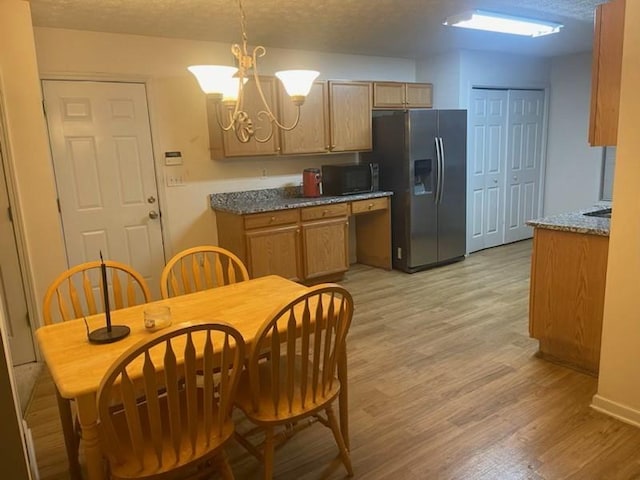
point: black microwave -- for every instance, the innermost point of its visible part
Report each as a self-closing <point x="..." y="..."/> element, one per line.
<point x="349" y="179"/>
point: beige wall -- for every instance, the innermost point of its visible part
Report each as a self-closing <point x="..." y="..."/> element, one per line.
<point x="618" y="386"/>
<point x="178" y="115"/>
<point x="29" y="163"/>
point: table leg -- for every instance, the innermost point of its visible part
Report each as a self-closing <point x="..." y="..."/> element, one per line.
<point x="88" y="416"/>
<point x="70" y="436"/>
<point x="343" y="398"/>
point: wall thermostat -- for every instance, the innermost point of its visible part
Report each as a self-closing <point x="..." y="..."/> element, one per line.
<point x="173" y="158"/>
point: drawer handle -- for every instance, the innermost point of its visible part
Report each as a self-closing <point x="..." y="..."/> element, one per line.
<point x="272" y="219"/>
<point x="324" y="212"/>
<point x="370" y="206"/>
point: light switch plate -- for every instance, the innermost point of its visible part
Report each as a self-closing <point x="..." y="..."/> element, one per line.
<point x="175" y="179"/>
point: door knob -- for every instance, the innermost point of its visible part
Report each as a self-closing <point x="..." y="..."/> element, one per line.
<point x="151" y="199"/>
<point x="153" y="214"/>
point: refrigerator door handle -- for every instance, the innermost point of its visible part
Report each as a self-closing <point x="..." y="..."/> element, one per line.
<point x="442" y="162"/>
<point x="438" y="170"/>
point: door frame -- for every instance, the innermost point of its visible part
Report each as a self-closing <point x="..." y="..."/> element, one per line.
<point x="153" y="127"/>
<point x="18" y="224"/>
<point x="545" y="131"/>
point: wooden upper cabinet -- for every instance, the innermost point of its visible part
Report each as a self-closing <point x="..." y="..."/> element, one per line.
<point x="350" y="116"/>
<point x="402" y="95"/>
<point x="312" y="133"/>
<point x="419" y="95"/>
<point x="253" y="105"/>
<point x="606" y="73"/>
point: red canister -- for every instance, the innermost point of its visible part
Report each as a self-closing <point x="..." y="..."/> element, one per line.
<point x="311" y="182"/>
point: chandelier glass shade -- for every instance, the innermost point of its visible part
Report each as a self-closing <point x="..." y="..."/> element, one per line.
<point x="225" y="86"/>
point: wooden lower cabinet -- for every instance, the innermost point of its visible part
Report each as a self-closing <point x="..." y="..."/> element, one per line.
<point x="568" y="274"/>
<point x="274" y="251"/>
<point x="309" y="244"/>
<point x="325" y="247"/>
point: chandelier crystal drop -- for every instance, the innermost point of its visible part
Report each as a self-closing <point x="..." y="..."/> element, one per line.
<point x="225" y="86"/>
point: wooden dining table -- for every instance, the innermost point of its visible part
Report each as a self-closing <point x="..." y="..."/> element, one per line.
<point x="77" y="366"/>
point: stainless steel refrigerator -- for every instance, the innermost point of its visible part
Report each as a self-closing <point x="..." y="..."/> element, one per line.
<point x="422" y="157"/>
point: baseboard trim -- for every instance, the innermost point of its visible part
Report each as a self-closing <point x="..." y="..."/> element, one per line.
<point x="616" y="410"/>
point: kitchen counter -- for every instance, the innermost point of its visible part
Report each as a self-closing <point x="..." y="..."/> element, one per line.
<point x="272" y="199"/>
<point x="575" y="222"/>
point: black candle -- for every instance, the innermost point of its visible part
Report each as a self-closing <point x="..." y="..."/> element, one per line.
<point x="105" y="293"/>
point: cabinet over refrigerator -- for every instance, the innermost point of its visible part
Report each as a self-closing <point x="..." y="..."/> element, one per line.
<point x="422" y="157"/>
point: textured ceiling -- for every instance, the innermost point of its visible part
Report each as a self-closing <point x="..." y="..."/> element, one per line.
<point x="399" y="28"/>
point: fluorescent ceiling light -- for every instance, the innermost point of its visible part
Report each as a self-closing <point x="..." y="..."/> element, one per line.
<point x="497" y="22"/>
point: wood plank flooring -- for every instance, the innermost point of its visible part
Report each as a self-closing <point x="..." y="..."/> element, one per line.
<point x="444" y="384"/>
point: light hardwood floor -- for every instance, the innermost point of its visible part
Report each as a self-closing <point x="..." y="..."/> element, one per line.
<point x="444" y="384"/>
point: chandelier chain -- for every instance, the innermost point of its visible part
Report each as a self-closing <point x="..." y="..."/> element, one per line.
<point x="243" y="25"/>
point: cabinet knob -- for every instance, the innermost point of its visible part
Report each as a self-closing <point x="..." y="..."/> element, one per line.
<point x="272" y="219"/>
<point x="324" y="212"/>
<point x="370" y="206"/>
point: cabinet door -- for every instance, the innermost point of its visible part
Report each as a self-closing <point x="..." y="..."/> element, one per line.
<point x="274" y="251"/>
<point x="388" y="95"/>
<point x="419" y="95"/>
<point x="253" y="105"/>
<point x="325" y="247"/>
<point x="350" y="116"/>
<point x="312" y="133"/>
<point x="606" y="72"/>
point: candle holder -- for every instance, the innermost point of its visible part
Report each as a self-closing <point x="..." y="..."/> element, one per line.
<point x="110" y="333"/>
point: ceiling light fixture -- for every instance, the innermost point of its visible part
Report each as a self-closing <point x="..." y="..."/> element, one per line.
<point x="225" y="86"/>
<point x="497" y="22"/>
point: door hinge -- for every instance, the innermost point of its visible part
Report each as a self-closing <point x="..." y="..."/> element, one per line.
<point x="10" y="214"/>
<point x="44" y="108"/>
<point x="59" y="207"/>
<point x="28" y="319"/>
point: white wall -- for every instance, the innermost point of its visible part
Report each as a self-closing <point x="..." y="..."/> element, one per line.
<point x="178" y="115"/>
<point x="573" y="167"/>
<point x="30" y="169"/>
<point x="444" y="72"/>
<point x="493" y="69"/>
<point x="618" y="386"/>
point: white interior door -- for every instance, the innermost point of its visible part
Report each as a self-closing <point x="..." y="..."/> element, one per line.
<point x="486" y="168"/>
<point x="11" y="286"/>
<point x="103" y="160"/>
<point x="524" y="155"/>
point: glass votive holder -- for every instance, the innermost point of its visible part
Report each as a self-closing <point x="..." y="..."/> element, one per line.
<point x="157" y="317"/>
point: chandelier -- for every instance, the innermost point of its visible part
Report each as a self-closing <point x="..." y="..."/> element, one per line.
<point x="225" y="86"/>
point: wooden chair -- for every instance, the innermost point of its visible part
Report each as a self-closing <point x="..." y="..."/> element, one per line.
<point x="306" y="339"/>
<point x="200" y="268"/>
<point x="173" y="422"/>
<point x="76" y="293"/>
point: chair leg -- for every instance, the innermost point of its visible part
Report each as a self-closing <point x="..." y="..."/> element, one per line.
<point x="344" y="454"/>
<point x="268" y="453"/>
<point x="223" y="466"/>
<point x="71" y="441"/>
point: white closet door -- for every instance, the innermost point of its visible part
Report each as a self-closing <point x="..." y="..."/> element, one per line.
<point x="486" y="168"/>
<point x="524" y="155"/>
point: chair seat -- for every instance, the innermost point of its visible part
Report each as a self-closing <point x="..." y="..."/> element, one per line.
<point x="286" y="411"/>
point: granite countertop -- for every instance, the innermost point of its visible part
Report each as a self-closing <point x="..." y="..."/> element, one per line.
<point x="256" y="201"/>
<point x="575" y="222"/>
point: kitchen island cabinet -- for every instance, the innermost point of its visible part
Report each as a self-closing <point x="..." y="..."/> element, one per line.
<point x="568" y="274"/>
<point x="303" y="239"/>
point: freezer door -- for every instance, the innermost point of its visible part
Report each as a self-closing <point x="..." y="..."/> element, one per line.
<point x="423" y="174"/>
<point x="452" y="205"/>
